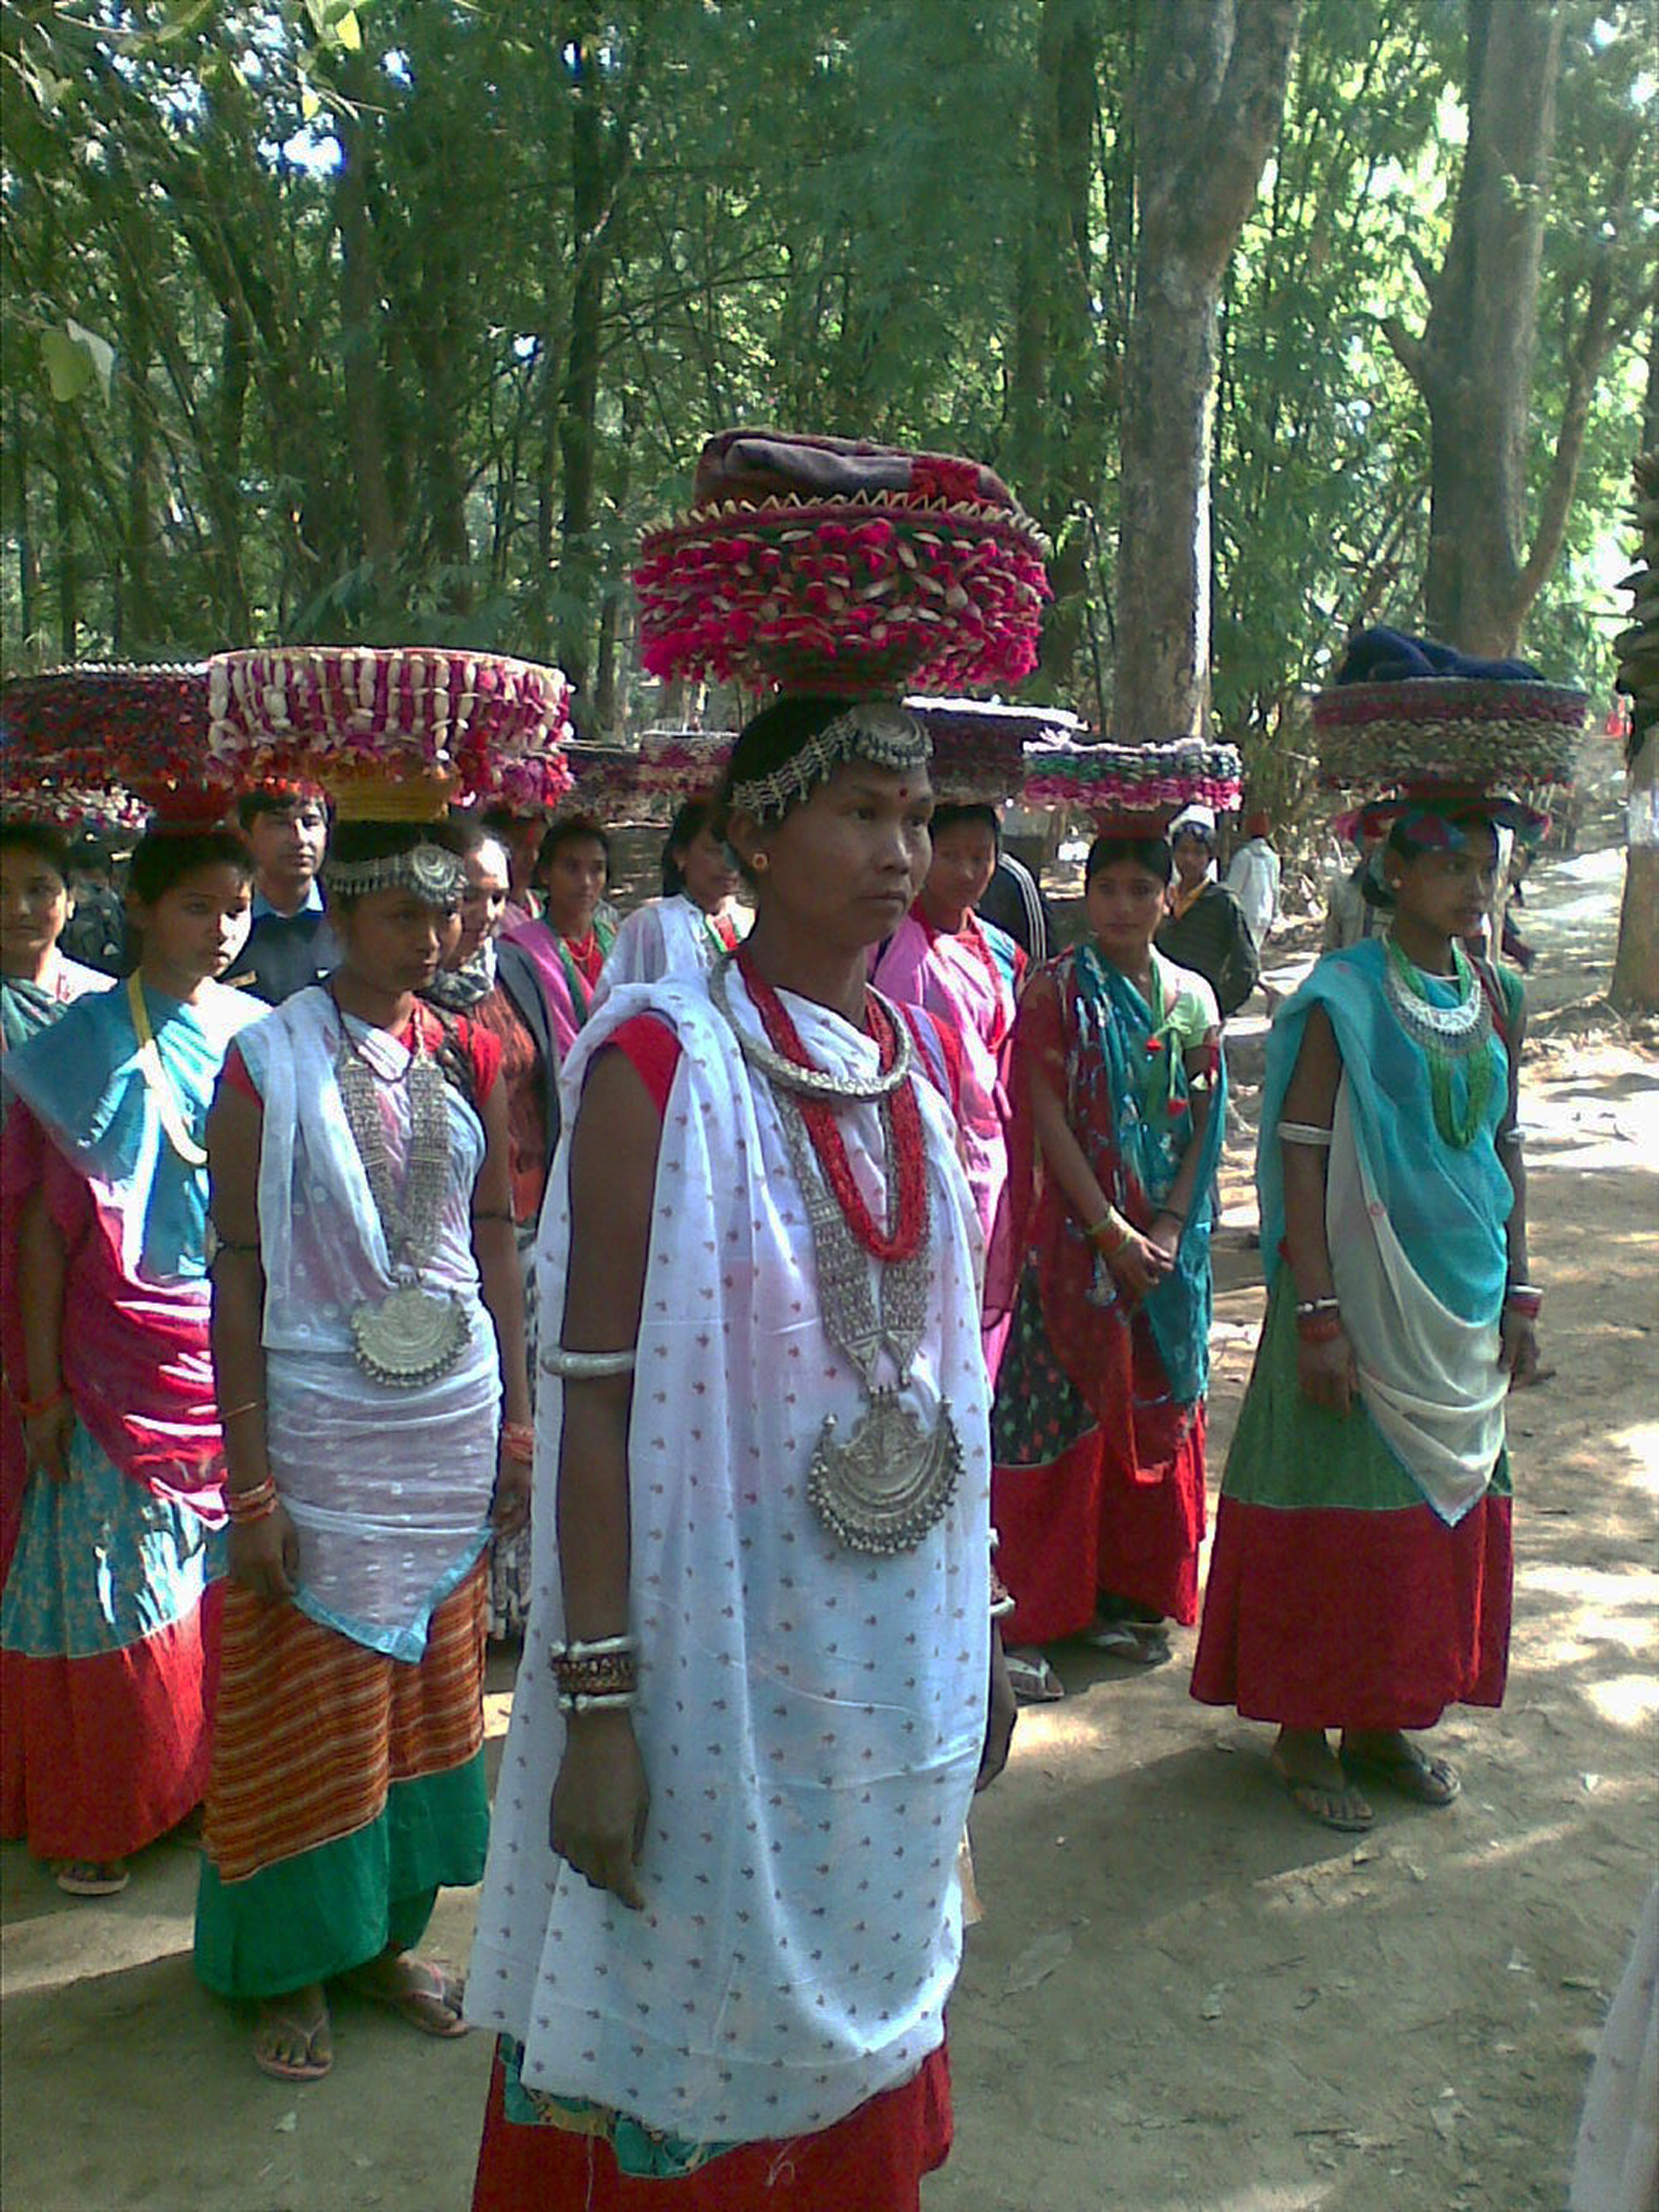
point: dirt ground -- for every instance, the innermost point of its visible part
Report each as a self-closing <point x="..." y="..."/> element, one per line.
<point x="1183" y="1998"/>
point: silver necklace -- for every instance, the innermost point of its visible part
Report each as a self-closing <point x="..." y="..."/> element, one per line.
<point x="893" y="1478"/>
<point x="811" y="1082"/>
<point x="1456" y="1030"/>
<point x="413" y="1335"/>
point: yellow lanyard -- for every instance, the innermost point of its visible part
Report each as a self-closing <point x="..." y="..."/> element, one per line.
<point x="156" y="1083"/>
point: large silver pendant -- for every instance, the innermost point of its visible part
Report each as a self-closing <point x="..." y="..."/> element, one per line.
<point x="415" y="1336"/>
<point x="891" y="1482"/>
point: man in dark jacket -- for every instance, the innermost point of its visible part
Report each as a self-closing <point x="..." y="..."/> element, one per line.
<point x="290" y="945"/>
<point x="1206" y="930"/>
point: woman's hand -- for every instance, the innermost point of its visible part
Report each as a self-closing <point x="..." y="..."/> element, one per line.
<point x="1519" y="1349"/>
<point x="1327" y="1373"/>
<point x="1165" y="1233"/>
<point x="1138" y="1263"/>
<point x="264" y="1555"/>
<point x="595" y="1822"/>
<point x="509" y="1509"/>
<point x="46" y="1438"/>
<point x="1001" y="1716"/>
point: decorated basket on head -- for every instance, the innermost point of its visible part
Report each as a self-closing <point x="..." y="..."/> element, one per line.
<point x="980" y="745"/>
<point x="1135" y="790"/>
<point x="1407" y="713"/>
<point x="112" y="740"/>
<point x="834" y="566"/>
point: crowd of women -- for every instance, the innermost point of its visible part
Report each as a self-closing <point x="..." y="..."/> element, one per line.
<point x="861" y="1193"/>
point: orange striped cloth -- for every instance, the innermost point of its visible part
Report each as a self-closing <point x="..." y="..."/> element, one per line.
<point x="311" y="1730"/>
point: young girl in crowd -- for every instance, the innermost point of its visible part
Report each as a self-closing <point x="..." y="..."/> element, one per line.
<point x="571" y="942"/>
<point x="109" y="1620"/>
<point x="967" y="974"/>
<point x="368" y="1338"/>
<point x="1098" y="1427"/>
<point x="1360" y="1577"/>
<point x="697" y="918"/>
<point x="37" y="979"/>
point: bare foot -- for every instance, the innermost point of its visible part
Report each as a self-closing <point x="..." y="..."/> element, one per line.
<point x="1316" y="1782"/>
<point x="91" y="1877"/>
<point x="291" y="2039"/>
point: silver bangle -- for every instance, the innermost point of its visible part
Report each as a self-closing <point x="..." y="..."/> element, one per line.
<point x="586" y="1366"/>
<point x="600" y="1647"/>
<point x="1511" y="1137"/>
<point x="603" y="1701"/>
<point x="1002" y="1607"/>
<point x="1304" y="1133"/>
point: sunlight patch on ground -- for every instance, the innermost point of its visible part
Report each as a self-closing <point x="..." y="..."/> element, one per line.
<point x="1641" y="1443"/>
<point x="1628" y="1701"/>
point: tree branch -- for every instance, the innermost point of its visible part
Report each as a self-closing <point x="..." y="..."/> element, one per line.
<point x="1220" y="175"/>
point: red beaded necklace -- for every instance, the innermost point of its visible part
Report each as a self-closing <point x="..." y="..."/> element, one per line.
<point x="908" y="1148"/>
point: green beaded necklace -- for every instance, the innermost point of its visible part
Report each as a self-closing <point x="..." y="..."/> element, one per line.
<point x="1447" y="1037"/>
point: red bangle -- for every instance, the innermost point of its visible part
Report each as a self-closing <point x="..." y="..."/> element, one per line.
<point x="519" y="1441"/>
<point x="252" y="1504"/>
<point x="1528" y="1303"/>
<point x="32" y="1408"/>
<point x="1320" y="1329"/>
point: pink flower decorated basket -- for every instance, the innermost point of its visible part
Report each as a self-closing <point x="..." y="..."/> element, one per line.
<point x="829" y="565"/>
<point x="370" y="723"/>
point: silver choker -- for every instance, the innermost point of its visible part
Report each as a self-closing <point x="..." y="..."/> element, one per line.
<point x="811" y="1082"/>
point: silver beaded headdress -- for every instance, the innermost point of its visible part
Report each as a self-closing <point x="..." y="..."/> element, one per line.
<point x="873" y="730"/>
<point x="433" y="873"/>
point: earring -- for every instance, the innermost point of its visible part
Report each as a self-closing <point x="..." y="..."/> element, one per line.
<point x="760" y="864"/>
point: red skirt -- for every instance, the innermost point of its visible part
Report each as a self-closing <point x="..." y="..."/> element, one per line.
<point x="871" y="2161"/>
<point x="1343" y="1619"/>
<point x="101" y="1755"/>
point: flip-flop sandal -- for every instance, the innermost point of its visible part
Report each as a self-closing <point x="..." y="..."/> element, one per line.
<point x="1142" y="1642"/>
<point x="1321" y="1802"/>
<point x="1032" y="1680"/>
<point x="1420" y="1776"/>
<point x="315" y="2063"/>
<point x="91" y="1877"/>
<point x="433" y="2009"/>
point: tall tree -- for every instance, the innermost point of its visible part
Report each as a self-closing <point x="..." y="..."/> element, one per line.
<point x="1208" y="100"/>
<point x="1473" y="361"/>
<point x="1635" y="986"/>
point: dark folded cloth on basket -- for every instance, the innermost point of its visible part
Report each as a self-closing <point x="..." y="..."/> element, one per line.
<point x="1390" y="656"/>
<point x="762" y="465"/>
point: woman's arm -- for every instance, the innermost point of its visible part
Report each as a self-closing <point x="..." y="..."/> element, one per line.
<point x="1519" y="1347"/>
<point x="1325" y="1370"/>
<point x="495" y="1247"/>
<point x="1171" y="1216"/>
<point x="41" y="1265"/>
<point x="264" y="1555"/>
<point x="600" y="1800"/>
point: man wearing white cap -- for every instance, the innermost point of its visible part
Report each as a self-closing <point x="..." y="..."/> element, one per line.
<point x="1207" y="929"/>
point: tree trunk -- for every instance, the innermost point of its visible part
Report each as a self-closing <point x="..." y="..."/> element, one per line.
<point x="28" y="557"/>
<point x="68" y="580"/>
<point x="1635" y="987"/>
<point x="360" y="344"/>
<point x="140" y="622"/>
<point x="1208" y="103"/>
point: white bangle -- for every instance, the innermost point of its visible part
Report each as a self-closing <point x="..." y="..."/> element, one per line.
<point x="586" y="1366"/>
<point x="603" y="1701"/>
<point x="598" y="1647"/>
<point x="1304" y="1133"/>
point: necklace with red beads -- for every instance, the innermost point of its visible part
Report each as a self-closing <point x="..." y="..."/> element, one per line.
<point x="894" y="1478"/>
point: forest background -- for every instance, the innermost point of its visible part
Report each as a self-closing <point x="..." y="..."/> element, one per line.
<point x="400" y="321"/>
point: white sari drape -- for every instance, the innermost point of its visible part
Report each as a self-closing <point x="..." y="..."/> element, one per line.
<point x="810" y="1718"/>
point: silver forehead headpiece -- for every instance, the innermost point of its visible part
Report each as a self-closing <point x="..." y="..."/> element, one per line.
<point x="435" y="874"/>
<point x="873" y="730"/>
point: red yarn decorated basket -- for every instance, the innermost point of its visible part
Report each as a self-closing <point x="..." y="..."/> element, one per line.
<point x="1457" y="730"/>
<point x="119" y="738"/>
<point x="472" y="725"/>
<point x="826" y="564"/>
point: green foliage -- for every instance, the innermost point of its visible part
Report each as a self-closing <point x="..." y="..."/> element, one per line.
<point x="310" y="307"/>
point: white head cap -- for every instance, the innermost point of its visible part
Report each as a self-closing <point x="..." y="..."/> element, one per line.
<point x="1200" y="819"/>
